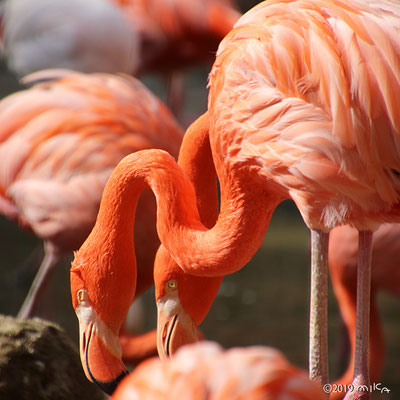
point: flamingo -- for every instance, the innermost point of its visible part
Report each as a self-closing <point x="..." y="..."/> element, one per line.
<point x="205" y="371"/>
<point x="385" y="276"/>
<point x="59" y="141"/>
<point x="131" y="36"/>
<point x="195" y="159"/>
<point x="290" y="115"/>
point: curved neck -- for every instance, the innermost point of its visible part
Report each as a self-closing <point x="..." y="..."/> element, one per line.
<point x="110" y="244"/>
<point x="231" y="242"/>
<point x="196" y="160"/>
<point x="218" y="251"/>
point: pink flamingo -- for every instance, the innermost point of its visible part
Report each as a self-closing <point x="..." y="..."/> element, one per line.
<point x="290" y="116"/>
<point x="204" y="370"/>
<point x="131" y="36"/>
<point x="59" y="142"/>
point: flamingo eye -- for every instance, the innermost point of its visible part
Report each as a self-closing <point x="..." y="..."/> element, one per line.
<point x="82" y="296"/>
<point x="171" y="284"/>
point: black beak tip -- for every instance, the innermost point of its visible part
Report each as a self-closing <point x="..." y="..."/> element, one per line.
<point x="109" y="387"/>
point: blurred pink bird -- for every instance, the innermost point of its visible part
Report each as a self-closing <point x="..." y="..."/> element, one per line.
<point x="205" y="371"/>
<point x="59" y="142"/>
<point x="131" y="36"/>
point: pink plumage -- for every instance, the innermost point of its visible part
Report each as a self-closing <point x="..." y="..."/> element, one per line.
<point x="206" y="371"/>
<point x="60" y="141"/>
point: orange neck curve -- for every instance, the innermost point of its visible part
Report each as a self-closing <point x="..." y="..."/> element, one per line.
<point x="223" y="249"/>
<point x="199" y="250"/>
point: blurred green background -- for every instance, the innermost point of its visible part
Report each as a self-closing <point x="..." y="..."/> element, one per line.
<point x="264" y="303"/>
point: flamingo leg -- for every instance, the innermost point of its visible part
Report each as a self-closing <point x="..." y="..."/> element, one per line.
<point x="361" y="359"/>
<point x="31" y="303"/>
<point x="318" y="357"/>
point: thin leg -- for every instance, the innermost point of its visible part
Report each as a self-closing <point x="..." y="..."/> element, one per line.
<point x="361" y="361"/>
<point x="25" y="271"/>
<point x="31" y="303"/>
<point x="318" y="361"/>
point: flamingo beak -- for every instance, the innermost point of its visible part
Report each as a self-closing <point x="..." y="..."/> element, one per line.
<point x="100" y="350"/>
<point x="175" y="327"/>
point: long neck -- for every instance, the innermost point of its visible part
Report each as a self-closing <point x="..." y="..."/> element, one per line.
<point x="110" y="244"/>
<point x="245" y="212"/>
<point x="224" y="249"/>
<point x="196" y="160"/>
<point x="230" y="243"/>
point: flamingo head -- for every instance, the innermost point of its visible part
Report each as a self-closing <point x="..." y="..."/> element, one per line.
<point x="183" y="301"/>
<point x="101" y="308"/>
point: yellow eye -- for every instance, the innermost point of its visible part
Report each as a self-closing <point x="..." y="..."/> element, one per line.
<point x="82" y="296"/>
<point x="172" y="284"/>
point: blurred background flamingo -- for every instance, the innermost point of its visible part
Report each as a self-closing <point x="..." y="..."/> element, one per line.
<point x="385" y="276"/>
<point x="206" y="371"/>
<point x="59" y="142"/>
<point x="132" y="36"/>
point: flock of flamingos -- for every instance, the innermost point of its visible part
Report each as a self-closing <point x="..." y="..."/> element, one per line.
<point x="303" y="105"/>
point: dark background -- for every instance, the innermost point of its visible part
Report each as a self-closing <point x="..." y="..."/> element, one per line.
<point x="264" y="303"/>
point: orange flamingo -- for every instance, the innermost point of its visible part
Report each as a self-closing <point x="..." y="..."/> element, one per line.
<point x="205" y="371"/>
<point x="59" y="142"/>
<point x="196" y="160"/>
<point x="290" y="116"/>
<point x="385" y="275"/>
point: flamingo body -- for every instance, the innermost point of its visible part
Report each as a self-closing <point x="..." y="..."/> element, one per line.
<point x="59" y="152"/>
<point x="130" y="36"/>
<point x="306" y="127"/>
<point x="206" y="371"/>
